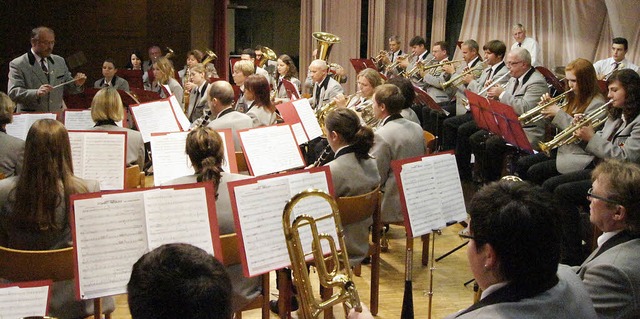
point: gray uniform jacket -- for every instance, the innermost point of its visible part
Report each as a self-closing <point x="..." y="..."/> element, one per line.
<point x="11" y="153"/>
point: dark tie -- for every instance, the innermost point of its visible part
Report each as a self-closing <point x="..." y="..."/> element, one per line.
<point x="519" y="44"/>
<point x="515" y="87"/>
<point x="490" y="75"/>
<point x="44" y="69"/>
<point x="318" y="96"/>
<point x="616" y="65"/>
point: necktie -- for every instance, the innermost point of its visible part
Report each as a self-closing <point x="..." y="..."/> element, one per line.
<point x="44" y="66"/>
<point x="515" y="87"/>
<point x="616" y="65"/>
<point x="519" y="44"/>
<point x="490" y="75"/>
<point x="318" y="96"/>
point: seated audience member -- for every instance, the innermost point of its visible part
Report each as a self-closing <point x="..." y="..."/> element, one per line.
<point x="106" y="110"/>
<point x="164" y="77"/>
<point x="611" y="274"/>
<point x="617" y="61"/>
<point x="353" y="172"/>
<point x="397" y="138"/>
<point x="513" y="253"/>
<point x="179" y="281"/>
<point x="241" y="71"/>
<point x="33" y="207"/>
<point x="12" y="149"/>
<point x="197" y="88"/>
<point x="205" y="150"/>
<point x="262" y="111"/>
<point x="110" y="79"/>
<point x="409" y="95"/>
<point x="286" y="70"/>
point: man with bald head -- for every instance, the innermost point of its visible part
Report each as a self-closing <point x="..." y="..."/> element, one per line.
<point x="325" y="88"/>
<point x="33" y="76"/>
<point x="221" y="114"/>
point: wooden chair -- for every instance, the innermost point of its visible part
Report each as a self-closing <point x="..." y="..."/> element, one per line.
<point x="133" y="177"/>
<point x="2" y="176"/>
<point x="357" y="208"/>
<point x="242" y="162"/>
<point x="231" y="256"/>
<point x="33" y="265"/>
<point x="429" y="141"/>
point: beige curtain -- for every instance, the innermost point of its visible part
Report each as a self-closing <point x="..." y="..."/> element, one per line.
<point x="439" y="23"/>
<point x="376" y="38"/>
<point x="565" y="29"/>
<point x="406" y="19"/>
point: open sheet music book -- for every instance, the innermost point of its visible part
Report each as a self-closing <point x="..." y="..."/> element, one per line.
<point x="430" y="192"/>
<point x="112" y="230"/>
<point x="302" y="119"/>
<point x="22" y="123"/>
<point x="24" y="299"/>
<point x="170" y="160"/>
<point x="100" y="155"/>
<point x="179" y="112"/>
<point x="81" y="120"/>
<point x="258" y="204"/>
<point x="270" y="149"/>
<point x="155" y="117"/>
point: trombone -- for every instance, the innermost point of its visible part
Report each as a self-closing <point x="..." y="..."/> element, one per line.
<point x="486" y="88"/>
<point x="332" y="266"/>
<point x="456" y="80"/>
<point x="535" y="114"/>
<point x="594" y="119"/>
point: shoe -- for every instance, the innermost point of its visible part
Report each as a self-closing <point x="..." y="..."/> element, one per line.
<point x="273" y="305"/>
<point x="366" y="260"/>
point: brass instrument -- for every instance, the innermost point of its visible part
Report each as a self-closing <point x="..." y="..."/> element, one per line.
<point x="333" y="70"/>
<point x="620" y="67"/>
<point x="398" y="60"/>
<point x="332" y="266"/>
<point x="209" y="56"/>
<point x="535" y="114"/>
<point x="267" y="54"/>
<point x="594" y="119"/>
<point x="170" y="54"/>
<point x="365" y="112"/>
<point x="456" y="80"/>
<point x="321" y="112"/>
<point x="325" y="41"/>
<point x="186" y="96"/>
<point x="422" y="67"/>
<point x="381" y="55"/>
<point x="490" y="85"/>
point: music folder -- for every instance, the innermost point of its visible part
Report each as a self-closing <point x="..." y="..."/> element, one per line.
<point x="258" y="204"/>
<point x="430" y="192"/>
<point x="510" y="128"/>
<point x="155" y="117"/>
<point x="100" y="155"/>
<point x="82" y="120"/>
<point x="22" y="122"/>
<point x="482" y="113"/>
<point x="423" y="98"/>
<point x="270" y="149"/>
<point x="291" y="89"/>
<point x="25" y="299"/>
<point x="302" y="119"/>
<point x="112" y="230"/>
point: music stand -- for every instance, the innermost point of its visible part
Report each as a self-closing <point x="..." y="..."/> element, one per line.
<point x="361" y="64"/>
<point x="292" y="92"/>
<point x="482" y="113"/>
<point x="144" y="95"/>
<point x="133" y="77"/>
<point x="510" y="128"/>
<point x="81" y="100"/>
<point x="551" y="79"/>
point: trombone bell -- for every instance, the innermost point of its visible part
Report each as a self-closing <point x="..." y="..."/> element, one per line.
<point x="325" y="41"/>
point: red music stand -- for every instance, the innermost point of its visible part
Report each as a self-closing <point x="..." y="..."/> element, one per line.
<point x="292" y="92"/>
<point x="510" y="128"/>
<point x="551" y="79"/>
<point x="602" y="85"/>
<point x="482" y="113"/>
<point x="423" y="98"/>
<point x="144" y="95"/>
<point x="134" y="77"/>
<point x="361" y="64"/>
<point x="81" y="100"/>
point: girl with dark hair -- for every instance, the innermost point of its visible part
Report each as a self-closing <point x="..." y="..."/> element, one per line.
<point x="135" y="61"/>
<point x="286" y="70"/>
<point x="353" y="171"/>
<point x="262" y="110"/>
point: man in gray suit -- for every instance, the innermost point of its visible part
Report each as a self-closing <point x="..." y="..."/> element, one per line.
<point x="325" y="88"/>
<point x="34" y="76"/>
<point x="611" y="273"/>
<point x="220" y="100"/>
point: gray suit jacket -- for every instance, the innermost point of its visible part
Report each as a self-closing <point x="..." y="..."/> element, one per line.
<point x="459" y="90"/>
<point x="572" y="157"/>
<point x="26" y="76"/>
<point x="135" y="144"/>
<point x="11" y="154"/>
<point x="117" y="83"/>
<point x="352" y="177"/>
<point x="612" y="277"/>
<point x="625" y="144"/>
<point x="397" y="139"/>
<point x="235" y="121"/>
<point x="524" y="99"/>
<point x="196" y="106"/>
<point x="327" y="93"/>
<point x="244" y="289"/>
<point x="567" y="299"/>
<point x="433" y="84"/>
<point x="477" y="85"/>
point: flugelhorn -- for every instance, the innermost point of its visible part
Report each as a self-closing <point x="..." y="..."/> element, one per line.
<point x="398" y="60"/>
<point x="332" y="266"/>
<point x="595" y="119"/>
<point x="456" y="80"/>
<point x="535" y="114"/>
<point x="325" y="41"/>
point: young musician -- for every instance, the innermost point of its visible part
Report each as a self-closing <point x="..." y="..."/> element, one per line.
<point x="241" y="70"/>
<point x="110" y="79"/>
<point x="353" y="171"/>
<point x="361" y="102"/>
<point x="164" y="75"/>
<point x="617" y="61"/>
<point x="286" y="70"/>
<point x="250" y="55"/>
<point x="135" y="61"/>
<point x="262" y="111"/>
<point x="584" y="99"/>
<point x="197" y="88"/>
<point x="397" y="138"/>
<point x="106" y="110"/>
<point x="513" y="253"/>
<point x="33" y="207"/>
<point x="194" y="57"/>
<point x="205" y="149"/>
<point x="12" y="149"/>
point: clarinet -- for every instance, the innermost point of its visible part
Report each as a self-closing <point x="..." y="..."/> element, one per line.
<point x="203" y="121"/>
<point x="325" y="157"/>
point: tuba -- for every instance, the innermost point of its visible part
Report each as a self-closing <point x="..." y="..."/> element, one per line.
<point x="209" y="56"/>
<point x="267" y="54"/>
<point x="332" y="266"/>
<point x="325" y="42"/>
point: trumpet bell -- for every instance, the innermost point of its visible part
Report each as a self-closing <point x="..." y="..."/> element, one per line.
<point x="325" y="41"/>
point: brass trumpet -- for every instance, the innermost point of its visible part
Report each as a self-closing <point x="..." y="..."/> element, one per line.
<point x="380" y="56"/>
<point x="333" y="266"/>
<point x="170" y="54"/>
<point x="594" y="119"/>
<point x="535" y="114"/>
<point x="398" y="60"/>
<point x="456" y="80"/>
<point x="422" y="67"/>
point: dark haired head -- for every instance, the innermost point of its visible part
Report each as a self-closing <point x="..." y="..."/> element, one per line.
<point x="259" y="86"/>
<point x="391" y="96"/>
<point x="496" y="47"/>
<point x="630" y="81"/>
<point x="418" y="40"/>
<point x="407" y="89"/>
<point x="346" y="123"/>
<point x="250" y="52"/>
<point x="623" y="41"/>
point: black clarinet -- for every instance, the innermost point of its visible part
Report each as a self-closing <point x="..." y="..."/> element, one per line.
<point x="326" y="157"/>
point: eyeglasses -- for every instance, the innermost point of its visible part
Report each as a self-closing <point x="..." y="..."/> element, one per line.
<point x="479" y="241"/>
<point x="590" y="195"/>
<point x="513" y="63"/>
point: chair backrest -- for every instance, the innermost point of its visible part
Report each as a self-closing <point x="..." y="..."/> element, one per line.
<point x="242" y="162"/>
<point x="133" y="177"/>
<point x="356" y="208"/>
<point x="230" y="252"/>
<point x="31" y="265"/>
<point x="430" y="141"/>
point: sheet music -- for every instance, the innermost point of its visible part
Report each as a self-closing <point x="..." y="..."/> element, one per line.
<point x="423" y="203"/>
<point x="271" y="149"/>
<point x="78" y="120"/>
<point x="178" y="216"/>
<point x="155" y="117"/>
<point x="177" y="109"/>
<point x="110" y="236"/>
<point x="99" y="156"/>
<point x="308" y="118"/>
<point x="225" y="164"/>
<point x="169" y="158"/>
<point x="17" y="302"/>
<point x="449" y="187"/>
<point x="260" y="218"/>
<point x="298" y="132"/>
<point x="22" y="122"/>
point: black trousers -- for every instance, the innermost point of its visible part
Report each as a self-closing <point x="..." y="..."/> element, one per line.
<point x="537" y="168"/>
